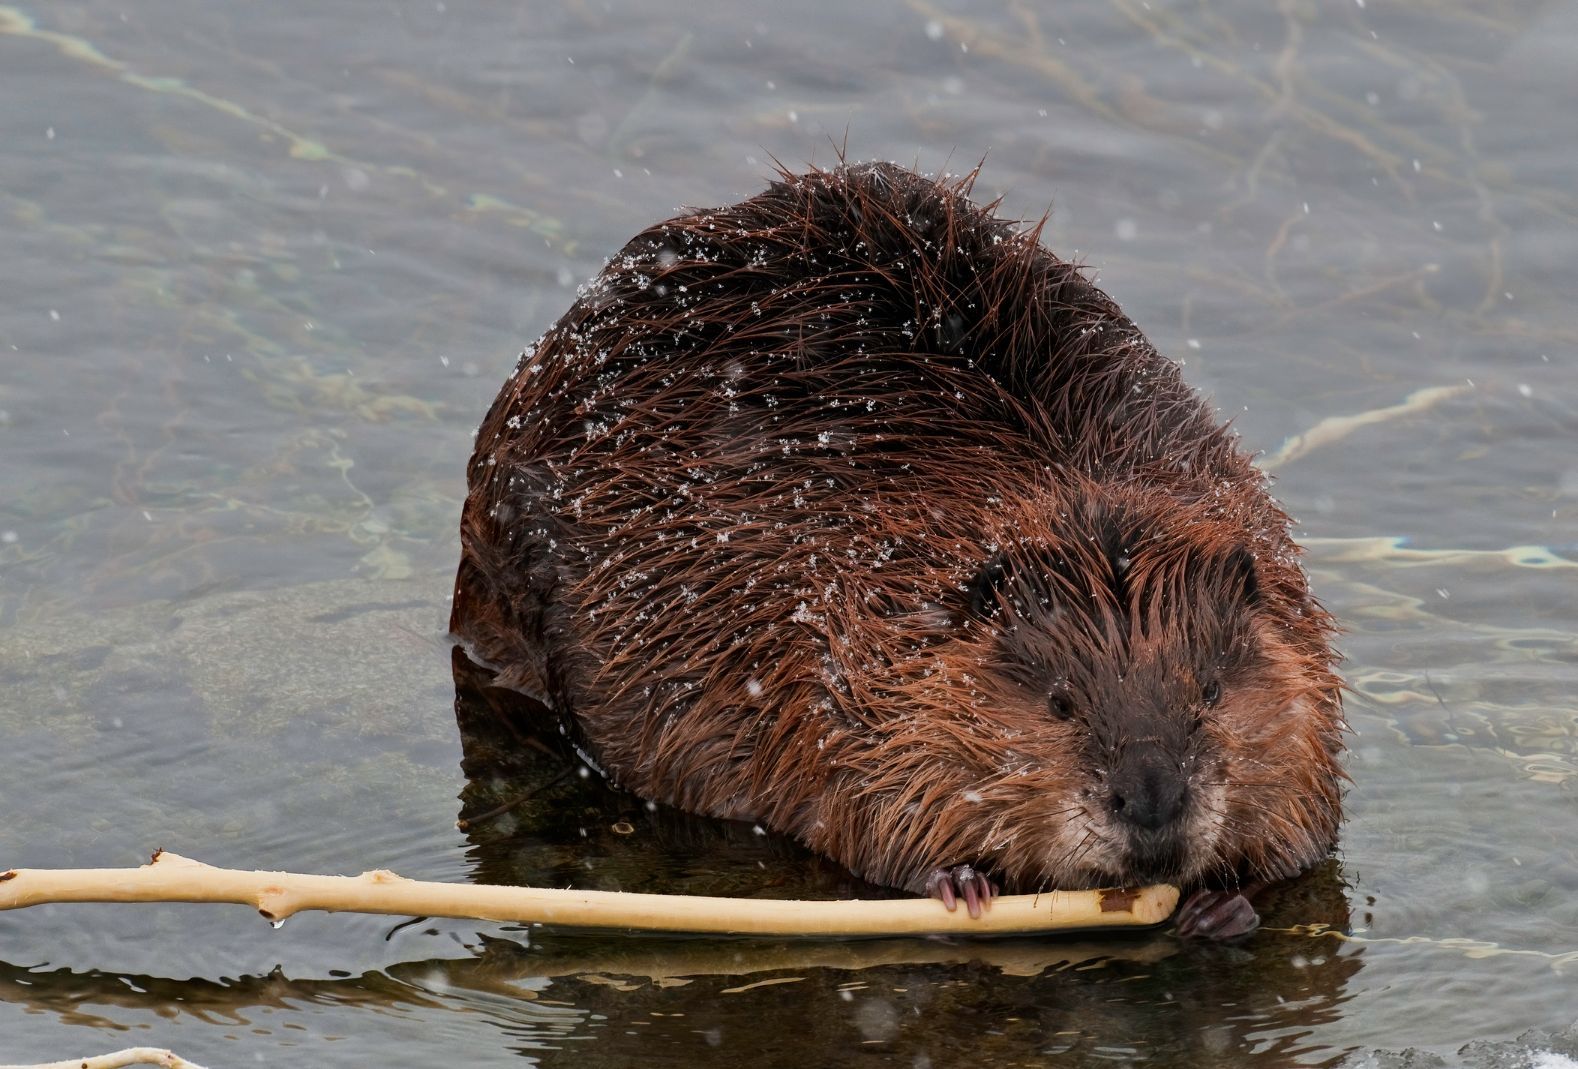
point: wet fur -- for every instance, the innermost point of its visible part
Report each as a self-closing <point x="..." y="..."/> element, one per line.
<point x="852" y="510"/>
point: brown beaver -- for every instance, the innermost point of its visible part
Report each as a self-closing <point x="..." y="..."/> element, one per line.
<point x="852" y="510"/>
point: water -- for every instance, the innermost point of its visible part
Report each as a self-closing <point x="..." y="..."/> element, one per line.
<point x="265" y="267"/>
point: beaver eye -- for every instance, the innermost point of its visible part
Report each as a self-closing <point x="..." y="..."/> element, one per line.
<point x="1211" y="693"/>
<point x="1060" y="706"/>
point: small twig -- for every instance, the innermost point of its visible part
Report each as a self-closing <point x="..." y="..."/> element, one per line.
<point x="116" y="1059"/>
<point x="277" y="895"/>
<point x="1335" y="428"/>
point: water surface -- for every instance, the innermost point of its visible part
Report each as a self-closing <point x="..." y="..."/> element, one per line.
<point x="265" y="267"/>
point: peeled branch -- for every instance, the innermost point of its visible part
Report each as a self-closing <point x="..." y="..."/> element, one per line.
<point x="117" y="1059"/>
<point x="169" y="877"/>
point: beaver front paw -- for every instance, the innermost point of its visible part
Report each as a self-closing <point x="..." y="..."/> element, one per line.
<point x="1216" y="915"/>
<point x="964" y="882"/>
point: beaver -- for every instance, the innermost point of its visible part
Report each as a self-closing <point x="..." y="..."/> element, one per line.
<point x="852" y="510"/>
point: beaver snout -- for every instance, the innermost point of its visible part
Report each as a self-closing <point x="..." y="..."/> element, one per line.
<point x="1147" y="791"/>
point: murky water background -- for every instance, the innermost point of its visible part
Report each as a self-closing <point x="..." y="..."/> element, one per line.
<point x="264" y="266"/>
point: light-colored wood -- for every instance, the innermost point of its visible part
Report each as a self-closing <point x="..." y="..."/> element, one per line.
<point x="118" y="1059"/>
<point x="276" y="895"/>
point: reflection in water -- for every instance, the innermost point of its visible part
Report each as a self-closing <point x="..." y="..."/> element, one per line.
<point x="715" y="1002"/>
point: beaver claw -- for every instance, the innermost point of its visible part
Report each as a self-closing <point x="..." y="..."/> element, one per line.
<point x="1216" y="915"/>
<point x="964" y="882"/>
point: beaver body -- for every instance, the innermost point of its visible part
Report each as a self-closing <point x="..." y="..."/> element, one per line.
<point x="851" y="510"/>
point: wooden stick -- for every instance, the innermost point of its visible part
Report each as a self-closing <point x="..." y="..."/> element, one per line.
<point x="118" y="1059"/>
<point x="276" y="895"/>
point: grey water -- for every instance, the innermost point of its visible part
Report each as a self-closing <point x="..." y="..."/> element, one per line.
<point x="264" y="266"/>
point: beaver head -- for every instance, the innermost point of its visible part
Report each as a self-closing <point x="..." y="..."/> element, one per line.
<point x="1119" y="694"/>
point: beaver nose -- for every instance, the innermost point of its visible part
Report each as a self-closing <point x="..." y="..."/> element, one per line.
<point x="1148" y="794"/>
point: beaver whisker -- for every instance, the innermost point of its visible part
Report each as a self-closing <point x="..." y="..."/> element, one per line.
<point x="1286" y="788"/>
<point x="1269" y="812"/>
<point x="1070" y="860"/>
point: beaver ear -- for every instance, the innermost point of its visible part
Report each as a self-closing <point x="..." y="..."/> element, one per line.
<point x="1241" y="574"/>
<point x="981" y="591"/>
